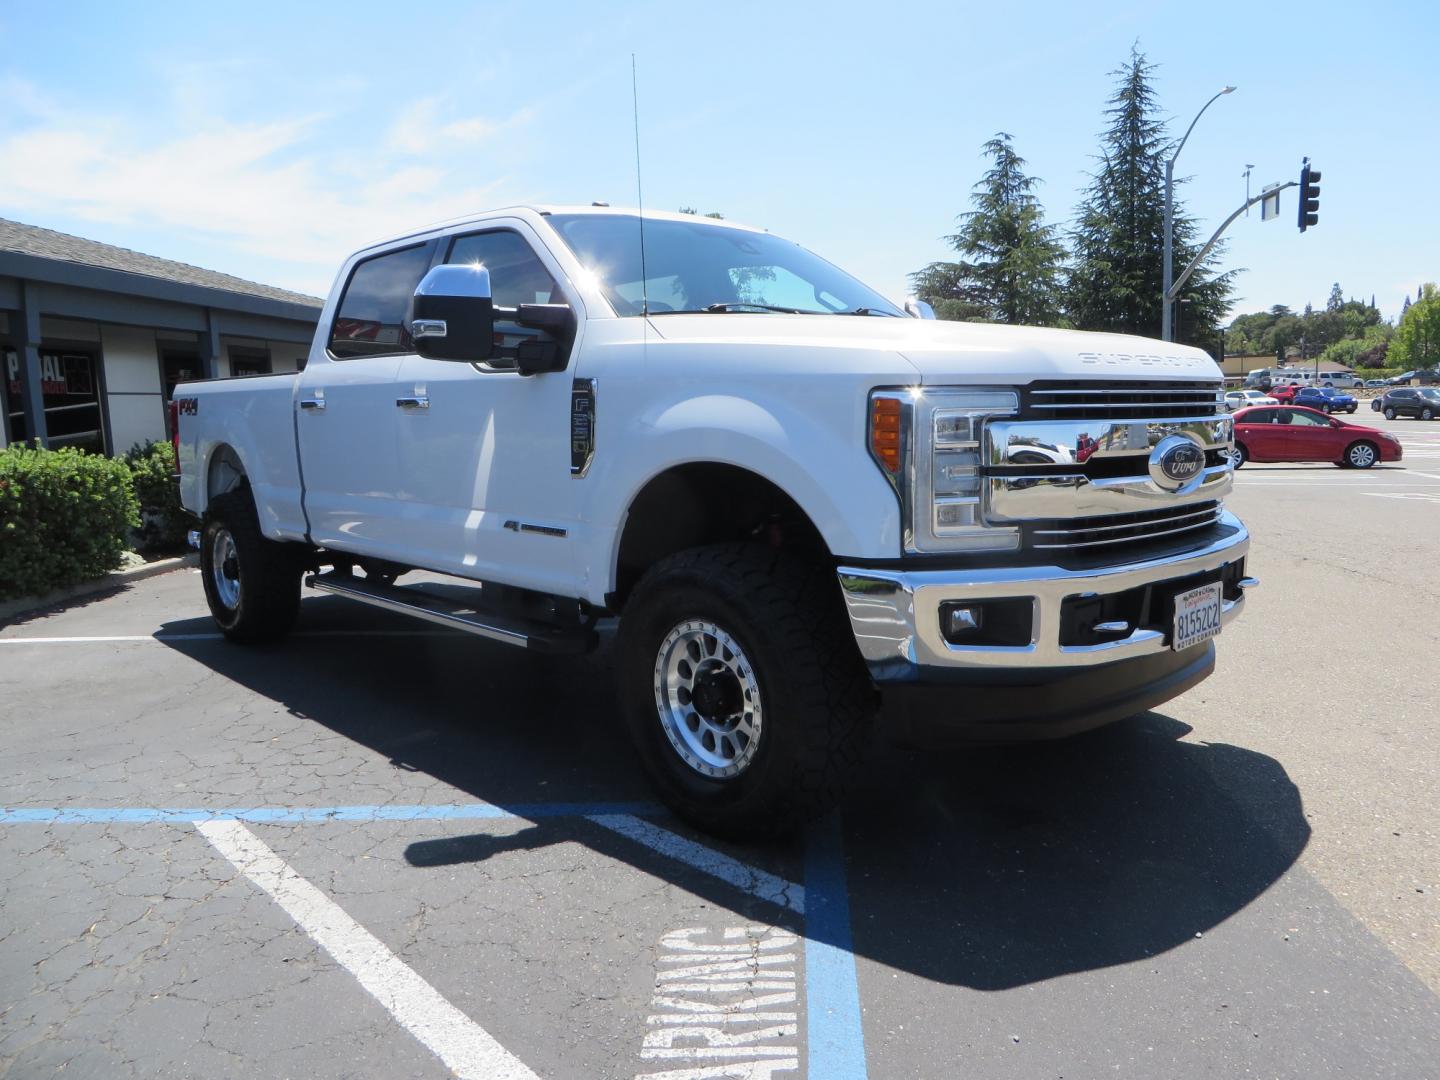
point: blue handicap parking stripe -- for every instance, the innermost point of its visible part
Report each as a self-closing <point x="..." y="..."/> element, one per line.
<point x="832" y="996"/>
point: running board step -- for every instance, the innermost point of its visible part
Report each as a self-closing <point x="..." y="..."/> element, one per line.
<point x="456" y="614"/>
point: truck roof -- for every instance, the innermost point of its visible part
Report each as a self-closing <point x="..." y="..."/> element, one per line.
<point x="546" y="209"/>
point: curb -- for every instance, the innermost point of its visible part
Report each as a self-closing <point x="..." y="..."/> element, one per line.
<point x="114" y="580"/>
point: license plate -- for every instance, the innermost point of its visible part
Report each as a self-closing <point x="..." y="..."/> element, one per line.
<point x="1197" y="616"/>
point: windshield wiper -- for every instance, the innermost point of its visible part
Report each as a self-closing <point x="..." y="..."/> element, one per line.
<point x="741" y="305"/>
<point x="869" y="311"/>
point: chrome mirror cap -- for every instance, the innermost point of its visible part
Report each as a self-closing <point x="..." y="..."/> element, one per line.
<point x="918" y="309"/>
<point x="456" y="279"/>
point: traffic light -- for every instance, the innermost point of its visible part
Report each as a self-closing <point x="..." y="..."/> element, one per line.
<point x="1309" y="196"/>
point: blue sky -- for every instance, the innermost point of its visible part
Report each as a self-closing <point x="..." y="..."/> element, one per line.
<point x="270" y="142"/>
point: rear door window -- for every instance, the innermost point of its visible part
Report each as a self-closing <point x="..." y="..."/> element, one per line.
<point x="375" y="310"/>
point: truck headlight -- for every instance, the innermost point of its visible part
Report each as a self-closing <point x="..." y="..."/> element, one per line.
<point x="935" y="464"/>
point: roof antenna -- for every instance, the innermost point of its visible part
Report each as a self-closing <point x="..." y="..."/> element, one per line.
<point x="639" y="195"/>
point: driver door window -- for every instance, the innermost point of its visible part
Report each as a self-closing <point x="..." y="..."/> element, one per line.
<point x="517" y="276"/>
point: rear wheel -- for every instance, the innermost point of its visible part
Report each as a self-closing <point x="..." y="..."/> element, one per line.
<point x="1238" y="455"/>
<point x="742" y="688"/>
<point x="251" y="584"/>
<point x="1361" y="455"/>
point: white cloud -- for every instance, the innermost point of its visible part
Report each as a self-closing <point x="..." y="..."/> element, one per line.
<point x="276" y="189"/>
<point x="421" y="127"/>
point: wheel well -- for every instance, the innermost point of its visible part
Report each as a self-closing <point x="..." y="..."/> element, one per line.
<point x="707" y="503"/>
<point x="225" y="473"/>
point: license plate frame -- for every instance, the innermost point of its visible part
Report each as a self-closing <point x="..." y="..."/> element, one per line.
<point x="1198" y="614"/>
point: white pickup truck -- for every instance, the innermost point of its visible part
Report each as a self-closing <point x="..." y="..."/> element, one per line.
<point x="808" y="508"/>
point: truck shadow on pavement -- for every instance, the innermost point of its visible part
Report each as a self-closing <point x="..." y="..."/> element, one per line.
<point x="988" y="868"/>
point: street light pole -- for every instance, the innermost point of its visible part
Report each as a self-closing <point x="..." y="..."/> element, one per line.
<point x="1166" y="328"/>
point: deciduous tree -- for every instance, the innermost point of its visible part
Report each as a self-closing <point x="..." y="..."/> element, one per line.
<point x="1416" y="343"/>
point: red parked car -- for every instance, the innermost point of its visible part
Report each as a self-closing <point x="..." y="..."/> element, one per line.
<point x="1284" y="394"/>
<point x="1293" y="433"/>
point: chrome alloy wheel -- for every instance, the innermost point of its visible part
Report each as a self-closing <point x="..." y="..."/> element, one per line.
<point x="708" y="699"/>
<point x="1236" y="457"/>
<point x="225" y="569"/>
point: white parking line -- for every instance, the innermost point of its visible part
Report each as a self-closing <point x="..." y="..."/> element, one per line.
<point x="464" y="1046"/>
<point x="707" y="860"/>
<point x="162" y="638"/>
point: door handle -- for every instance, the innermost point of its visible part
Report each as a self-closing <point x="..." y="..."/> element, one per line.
<point x="412" y="403"/>
<point x="317" y="404"/>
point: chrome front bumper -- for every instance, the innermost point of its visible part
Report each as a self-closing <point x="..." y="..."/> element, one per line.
<point x="895" y="614"/>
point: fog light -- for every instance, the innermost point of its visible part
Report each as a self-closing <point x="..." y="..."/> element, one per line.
<point x="960" y="620"/>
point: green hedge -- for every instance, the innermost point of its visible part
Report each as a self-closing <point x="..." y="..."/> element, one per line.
<point x="163" y="522"/>
<point x="64" y="517"/>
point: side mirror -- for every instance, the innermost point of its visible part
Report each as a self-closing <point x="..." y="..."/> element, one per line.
<point x="454" y="314"/>
<point x="545" y="354"/>
<point x="918" y="309"/>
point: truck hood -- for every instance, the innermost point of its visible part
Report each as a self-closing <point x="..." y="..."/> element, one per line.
<point x="948" y="352"/>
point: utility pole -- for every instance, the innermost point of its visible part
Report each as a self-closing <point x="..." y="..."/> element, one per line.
<point x="1166" y="290"/>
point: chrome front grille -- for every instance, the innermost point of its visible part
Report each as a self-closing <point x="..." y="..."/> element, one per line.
<point x="1125" y="401"/>
<point x="1073" y="468"/>
<point x="1109" y="529"/>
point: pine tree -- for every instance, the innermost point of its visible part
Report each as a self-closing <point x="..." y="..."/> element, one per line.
<point x="1011" y="266"/>
<point x="1406" y="306"/>
<point x="1118" y="240"/>
<point x="1337" y="298"/>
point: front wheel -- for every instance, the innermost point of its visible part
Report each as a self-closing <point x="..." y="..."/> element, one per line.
<point x="742" y="688"/>
<point x="252" y="584"/>
<point x="1361" y="455"/>
<point x="1427" y="414"/>
<point x="1389" y="414"/>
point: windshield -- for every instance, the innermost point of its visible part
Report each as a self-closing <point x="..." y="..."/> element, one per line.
<point x="1429" y="392"/>
<point x="695" y="266"/>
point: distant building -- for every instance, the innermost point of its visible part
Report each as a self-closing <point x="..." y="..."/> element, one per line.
<point x="94" y="337"/>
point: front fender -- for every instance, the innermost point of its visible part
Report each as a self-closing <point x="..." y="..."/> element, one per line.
<point x="824" y="468"/>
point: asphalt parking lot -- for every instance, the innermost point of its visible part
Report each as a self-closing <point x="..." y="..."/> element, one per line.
<point x="386" y="851"/>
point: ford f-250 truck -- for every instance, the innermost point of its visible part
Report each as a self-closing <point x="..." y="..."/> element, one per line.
<point x="807" y="507"/>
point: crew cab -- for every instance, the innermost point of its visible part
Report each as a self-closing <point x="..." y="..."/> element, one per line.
<point x="801" y="509"/>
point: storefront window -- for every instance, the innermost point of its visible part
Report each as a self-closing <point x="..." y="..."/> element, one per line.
<point x="247" y="361"/>
<point x="71" y="396"/>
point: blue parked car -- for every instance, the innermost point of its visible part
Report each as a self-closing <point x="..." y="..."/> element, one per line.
<point x="1326" y="399"/>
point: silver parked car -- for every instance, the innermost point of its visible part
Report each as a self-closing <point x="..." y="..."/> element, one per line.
<point x="1243" y="399"/>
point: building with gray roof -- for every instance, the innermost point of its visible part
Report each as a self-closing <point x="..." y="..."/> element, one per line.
<point x="94" y="337"/>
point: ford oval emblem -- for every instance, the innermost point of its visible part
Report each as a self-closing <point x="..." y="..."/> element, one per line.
<point x="1176" y="463"/>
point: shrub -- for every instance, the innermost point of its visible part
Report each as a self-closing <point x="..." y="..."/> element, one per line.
<point x="163" y="522"/>
<point x="64" y="516"/>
